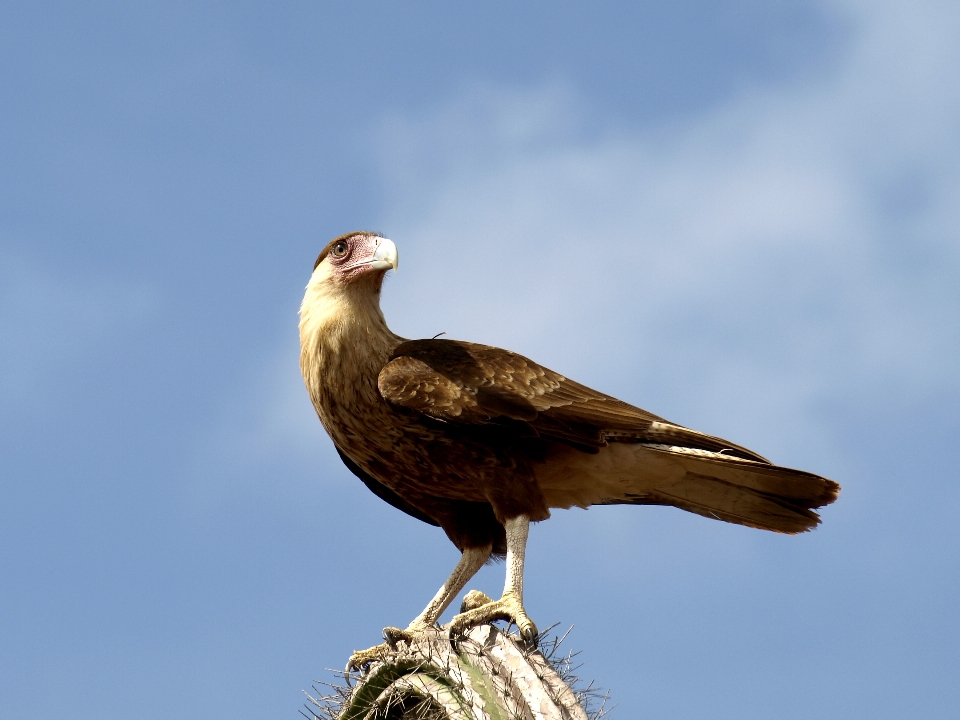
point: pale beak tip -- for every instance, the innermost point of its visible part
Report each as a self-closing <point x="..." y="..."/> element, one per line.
<point x="386" y="255"/>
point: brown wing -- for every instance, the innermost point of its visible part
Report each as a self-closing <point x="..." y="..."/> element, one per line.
<point x="383" y="492"/>
<point x="465" y="383"/>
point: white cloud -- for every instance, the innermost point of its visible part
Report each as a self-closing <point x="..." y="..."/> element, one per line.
<point x="796" y="245"/>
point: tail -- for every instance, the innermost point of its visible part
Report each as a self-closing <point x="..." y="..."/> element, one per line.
<point x="733" y="489"/>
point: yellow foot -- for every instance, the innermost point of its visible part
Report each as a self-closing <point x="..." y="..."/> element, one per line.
<point x="392" y="636"/>
<point x="478" y="609"/>
<point x="361" y="658"/>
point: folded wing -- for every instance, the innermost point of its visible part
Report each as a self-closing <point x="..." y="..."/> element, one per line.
<point x="468" y="384"/>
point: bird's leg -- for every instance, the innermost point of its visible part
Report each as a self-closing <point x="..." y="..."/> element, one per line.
<point x="471" y="561"/>
<point x="478" y="608"/>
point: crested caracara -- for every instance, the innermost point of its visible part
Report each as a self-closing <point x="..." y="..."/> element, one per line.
<point x="481" y="441"/>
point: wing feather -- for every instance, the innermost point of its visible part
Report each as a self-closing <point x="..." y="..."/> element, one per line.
<point x="466" y="383"/>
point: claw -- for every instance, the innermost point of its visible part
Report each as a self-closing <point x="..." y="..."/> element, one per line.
<point x="529" y="635"/>
<point x="394" y="635"/>
<point x="362" y="658"/>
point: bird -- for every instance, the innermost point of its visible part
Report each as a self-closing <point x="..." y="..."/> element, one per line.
<point x="481" y="442"/>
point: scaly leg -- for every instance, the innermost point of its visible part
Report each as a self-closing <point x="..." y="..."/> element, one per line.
<point x="471" y="561"/>
<point x="478" y="608"/>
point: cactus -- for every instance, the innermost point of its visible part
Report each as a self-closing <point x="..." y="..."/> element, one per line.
<point x="488" y="675"/>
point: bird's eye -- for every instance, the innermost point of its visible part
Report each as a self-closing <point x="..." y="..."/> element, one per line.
<point x="339" y="250"/>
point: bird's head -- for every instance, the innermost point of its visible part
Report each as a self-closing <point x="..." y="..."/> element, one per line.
<point x="355" y="257"/>
<point x="346" y="280"/>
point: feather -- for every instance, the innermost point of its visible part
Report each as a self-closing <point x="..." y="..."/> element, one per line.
<point x="470" y="383"/>
<point x="383" y="492"/>
<point x="715" y="485"/>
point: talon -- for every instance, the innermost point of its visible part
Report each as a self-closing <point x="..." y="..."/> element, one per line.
<point x="393" y="635"/>
<point x="474" y="599"/>
<point x="454" y="642"/>
<point x="362" y="658"/>
<point x="529" y="634"/>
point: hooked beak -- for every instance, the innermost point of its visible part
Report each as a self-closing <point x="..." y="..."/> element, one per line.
<point x="385" y="257"/>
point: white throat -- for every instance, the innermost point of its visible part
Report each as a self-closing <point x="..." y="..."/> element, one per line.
<point x="334" y="313"/>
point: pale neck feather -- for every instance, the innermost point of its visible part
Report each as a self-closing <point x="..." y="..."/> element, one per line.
<point x="341" y="323"/>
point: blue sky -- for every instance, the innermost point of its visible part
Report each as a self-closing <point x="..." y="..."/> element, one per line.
<point x="744" y="217"/>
